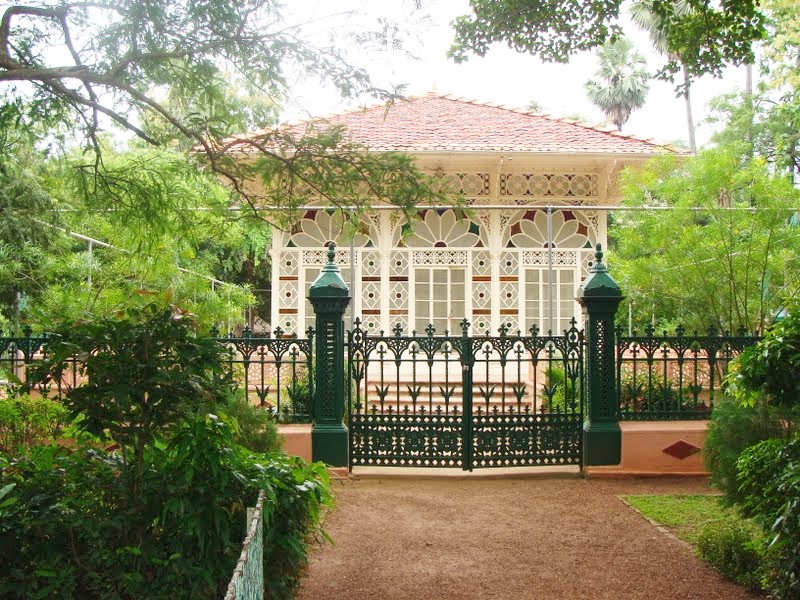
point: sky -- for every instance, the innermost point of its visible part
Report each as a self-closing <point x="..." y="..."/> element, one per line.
<point x="503" y="76"/>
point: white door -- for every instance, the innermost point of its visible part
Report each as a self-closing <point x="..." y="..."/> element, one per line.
<point x="439" y="299"/>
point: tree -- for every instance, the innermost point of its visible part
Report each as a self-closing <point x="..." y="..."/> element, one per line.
<point x="721" y="252"/>
<point x="118" y="55"/>
<point x="622" y="83"/>
<point x="171" y="229"/>
<point x="645" y="15"/>
<point x="769" y="119"/>
<point x="705" y="39"/>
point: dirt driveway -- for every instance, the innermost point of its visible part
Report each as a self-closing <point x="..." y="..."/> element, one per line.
<point x="514" y="539"/>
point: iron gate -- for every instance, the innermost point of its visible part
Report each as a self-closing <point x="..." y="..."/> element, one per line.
<point x="467" y="401"/>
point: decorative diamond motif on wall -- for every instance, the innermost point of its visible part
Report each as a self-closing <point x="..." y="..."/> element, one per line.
<point x="287" y="292"/>
<point x="509" y="294"/>
<point x="508" y="263"/>
<point x="481" y="296"/>
<point x="681" y="450"/>
<point x="288" y="263"/>
<point x="398" y="295"/>
<point x="398" y="263"/>
<point x="481" y="264"/>
<point x="370" y="295"/>
<point x="371" y="264"/>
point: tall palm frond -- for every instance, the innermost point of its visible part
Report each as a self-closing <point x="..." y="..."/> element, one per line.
<point x="622" y="81"/>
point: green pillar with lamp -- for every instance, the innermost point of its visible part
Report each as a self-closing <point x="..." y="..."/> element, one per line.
<point x="600" y="296"/>
<point x="329" y="296"/>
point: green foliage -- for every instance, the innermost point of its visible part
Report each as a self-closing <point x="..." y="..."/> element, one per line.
<point x="128" y="53"/>
<point x="732" y="549"/>
<point x="29" y="420"/>
<point x="733" y="428"/>
<point x="301" y="400"/>
<point x="705" y="37"/>
<point x="560" y="391"/>
<point x="68" y="530"/>
<point x="771" y="368"/>
<point x="161" y="512"/>
<point x="167" y="222"/>
<point x="700" y="263"/>
<point x="143" y="369"/>
<point x="622" y="81"/>
<point x="770" y="486"/>
<point x="253" y="427"/>
<point x="301" y="494"/>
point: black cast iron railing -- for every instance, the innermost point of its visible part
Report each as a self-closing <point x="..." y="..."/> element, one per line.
<point x="274" y="371"/>
<point x="674" y="377"/>
<point x="464" y="400"/>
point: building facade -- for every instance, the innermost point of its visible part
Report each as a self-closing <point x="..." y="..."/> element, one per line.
<point x="537" y="189"/>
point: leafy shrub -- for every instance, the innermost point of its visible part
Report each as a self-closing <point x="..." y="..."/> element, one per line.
<point x="253" y="427"/>
<point x="733" y="550"/>
<point x="26" y="420"/>
<point x="300" y="402"/>
<point x="772" y="367"/>
<point x="67" y="528"/>
<point x="163" y="514"/>
<point x="733" y="428"/>
<point x="770" y="478"/>
<point x="559" y="391"/>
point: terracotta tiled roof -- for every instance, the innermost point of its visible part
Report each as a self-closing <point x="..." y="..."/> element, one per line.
<point x="435" y="123"/>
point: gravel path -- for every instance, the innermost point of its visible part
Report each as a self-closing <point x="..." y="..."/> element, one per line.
<point x="515" y="539"/>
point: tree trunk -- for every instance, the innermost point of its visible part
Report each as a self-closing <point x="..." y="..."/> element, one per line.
<point x="689" y="119"/>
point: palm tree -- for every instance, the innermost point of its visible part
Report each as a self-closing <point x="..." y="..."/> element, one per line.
<point x="622" y="81"/>
<point x="643" y="14"/>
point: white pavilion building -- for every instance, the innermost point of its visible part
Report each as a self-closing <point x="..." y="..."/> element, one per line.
<point x="536" y="186"/>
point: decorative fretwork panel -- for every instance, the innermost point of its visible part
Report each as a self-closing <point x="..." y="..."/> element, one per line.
<point x="439" y="257"/>
<point x="519" y="439"/>
<point x="465" y="400"/>
<point x="320" y="257"/>
<point x="674" y="375"/>
<point x="569" y="230"/>
<point x="466" y="184"/>
<point x="318" y="228"/>
<point x="561" y="258"/>
<point x="559" y="185"/>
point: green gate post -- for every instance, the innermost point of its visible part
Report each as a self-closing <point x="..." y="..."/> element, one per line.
<point x="329" y="296"/>
<point x="600" y="296"/>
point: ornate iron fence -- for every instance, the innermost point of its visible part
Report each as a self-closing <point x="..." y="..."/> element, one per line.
<point x="674" y="377"/>
<point x="275" y="371"/>
<point x="465" y="400"/>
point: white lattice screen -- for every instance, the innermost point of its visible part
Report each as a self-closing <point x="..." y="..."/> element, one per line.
<point x="490" y="267"/>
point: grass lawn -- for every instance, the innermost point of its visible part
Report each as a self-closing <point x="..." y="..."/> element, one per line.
<point x="685" y="516"/>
